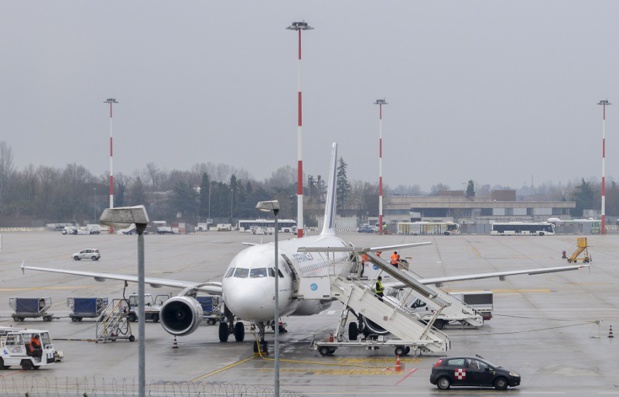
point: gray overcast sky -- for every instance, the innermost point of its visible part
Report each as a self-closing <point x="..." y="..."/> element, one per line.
<point x="501" y="92"/>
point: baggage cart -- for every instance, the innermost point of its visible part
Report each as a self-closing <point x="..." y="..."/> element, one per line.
<point x="86" y="307"/>
<point x="30" y="308"/>
<point x="210" y="306"/>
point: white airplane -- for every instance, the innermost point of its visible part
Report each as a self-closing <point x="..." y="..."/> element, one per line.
<point x="248" y="286"/>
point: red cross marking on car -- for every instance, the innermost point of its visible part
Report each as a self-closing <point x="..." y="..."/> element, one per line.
<point x="460" y="374"/>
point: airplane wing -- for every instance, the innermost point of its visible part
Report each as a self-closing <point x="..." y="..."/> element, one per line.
<point x="361" y="249"/>
<point x="439" y="281"/>
<point x="211" y="287"/>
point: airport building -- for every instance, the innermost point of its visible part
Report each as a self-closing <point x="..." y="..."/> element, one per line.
<point x="502" y="205"/>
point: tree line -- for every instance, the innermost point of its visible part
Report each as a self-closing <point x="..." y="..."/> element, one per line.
<point x="222" y="193"/>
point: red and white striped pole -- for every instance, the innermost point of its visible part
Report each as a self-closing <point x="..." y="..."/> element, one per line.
<point x="604" y="103"/>
<point x="299" y="26"/>
<point x="111" y="101"/>
<point x="380" y="103"/>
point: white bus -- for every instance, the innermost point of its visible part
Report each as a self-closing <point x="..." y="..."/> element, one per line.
<point x="426" y="228"/>
<point x="522" y="229"/>
<point x="251" y="225"/>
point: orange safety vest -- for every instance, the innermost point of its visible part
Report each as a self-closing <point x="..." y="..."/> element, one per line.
<point x="364" y="257"/>
<point x="395" y="258"/>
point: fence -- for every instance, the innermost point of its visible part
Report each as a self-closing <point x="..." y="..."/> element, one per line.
<point x="91" y="387"/>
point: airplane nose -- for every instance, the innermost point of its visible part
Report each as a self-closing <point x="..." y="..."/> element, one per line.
<point x="248" y="301"/>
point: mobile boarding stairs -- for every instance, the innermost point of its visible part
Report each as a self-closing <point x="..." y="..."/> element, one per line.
<point x="405" y="330"/>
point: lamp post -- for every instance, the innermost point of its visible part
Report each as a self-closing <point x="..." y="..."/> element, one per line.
<point x="380" y="103"/>
<point x="268" y="206"/>
<point x="111" y="101"/>
<point x="94" y="204"/>
<point x="604" y="103"/>
<point x="122" y="217"/>
<point x="299" y="26"/>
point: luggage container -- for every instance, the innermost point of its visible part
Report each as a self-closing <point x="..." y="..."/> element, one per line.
<point x="86" y="307"/>
<point x="30" y="308"/>
<point x="210" y="306"/>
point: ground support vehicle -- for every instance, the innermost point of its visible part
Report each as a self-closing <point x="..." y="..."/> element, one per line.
<point x="210" y="308"/>
<point x="471" y="371"/>
<point x="30" y="308"/>
<point x="15" y="349"/>
<point x="152" y="306"/>
<point x="86" y="307"/>
<point x="379" y="321"/>
<point x="466" y="309"/>
<point x="581" y="248"/>
<point x="113" y="323"/>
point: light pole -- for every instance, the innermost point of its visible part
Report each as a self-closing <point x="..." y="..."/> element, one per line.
<point x="604" y="103"/>
<point x="380" y="103"/>
<point x="122" y="217"/>
<point x="299" y="26"/>
<point x="267" y="206"/>
<point x="111" y="101"/>
<point x="94" y="204"/>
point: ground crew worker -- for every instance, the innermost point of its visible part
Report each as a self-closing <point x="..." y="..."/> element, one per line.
<point x="364" y="260"/>
<point x="379" y="290"/>
<point x="35" y="346"/>
<point x="395" y="259"/>
<point x="379" y="253"/>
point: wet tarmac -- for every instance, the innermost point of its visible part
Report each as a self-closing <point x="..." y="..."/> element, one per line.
<point x="554" y="329"/>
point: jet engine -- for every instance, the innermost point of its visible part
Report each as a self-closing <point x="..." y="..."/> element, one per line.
<point x="181" y="315"/>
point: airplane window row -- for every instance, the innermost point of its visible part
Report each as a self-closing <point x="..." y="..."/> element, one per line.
<point x="240" y="272"/>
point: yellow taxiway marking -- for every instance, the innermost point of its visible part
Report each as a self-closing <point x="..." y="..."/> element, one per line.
<point x="355" y="366"/>
<point x="476" y="252"/>
<point x="199" y="378"/>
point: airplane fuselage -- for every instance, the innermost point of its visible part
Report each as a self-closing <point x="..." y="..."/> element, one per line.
<point x="249" y="281"/>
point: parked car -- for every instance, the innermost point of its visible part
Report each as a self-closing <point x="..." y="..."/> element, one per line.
<point x="366" y="229"/>
<point x="87" y="253"/>
<point x="471" y="371"/>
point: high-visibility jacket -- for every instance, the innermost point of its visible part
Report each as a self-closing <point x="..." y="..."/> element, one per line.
<point x="364" y="257"/>
<point x="395" y="259"/>
<point x="379" y="287"/>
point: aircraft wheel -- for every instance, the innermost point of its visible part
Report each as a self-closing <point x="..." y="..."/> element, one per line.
<point x="239" y="332"/>
<point x="223" y="332"/>
<point x="155" y="318"/>
<point x="353" y="331"/>
<point x="407" y="350"/>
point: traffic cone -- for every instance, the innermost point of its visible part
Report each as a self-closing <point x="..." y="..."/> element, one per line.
<point x="610" y="332"/>
<point x="174" y="344"/>
<point x="398" y="364"/>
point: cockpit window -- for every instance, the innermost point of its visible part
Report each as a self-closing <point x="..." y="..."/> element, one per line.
<point x="241" y="272"/>
<point x="230" y="272"/>
<point x="271" y="272"/>
<point x="258" y="273"/>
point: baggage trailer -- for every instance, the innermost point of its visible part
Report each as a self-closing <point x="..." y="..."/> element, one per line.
<point x="30" y="308"/>
<point x="86" y="307"/>
<point x="210" y="307"/>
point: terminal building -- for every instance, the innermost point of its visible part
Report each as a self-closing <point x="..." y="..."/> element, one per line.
<point x="501" y="206"/>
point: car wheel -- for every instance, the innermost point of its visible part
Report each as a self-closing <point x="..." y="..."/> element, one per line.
<point x="500" y="384"/>
<point x="77" y="258"/>
<point x="443" y="383"/>
<point x="94" y="258"/>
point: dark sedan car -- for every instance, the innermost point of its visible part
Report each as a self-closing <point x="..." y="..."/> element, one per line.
<point x="471" y="371"/>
